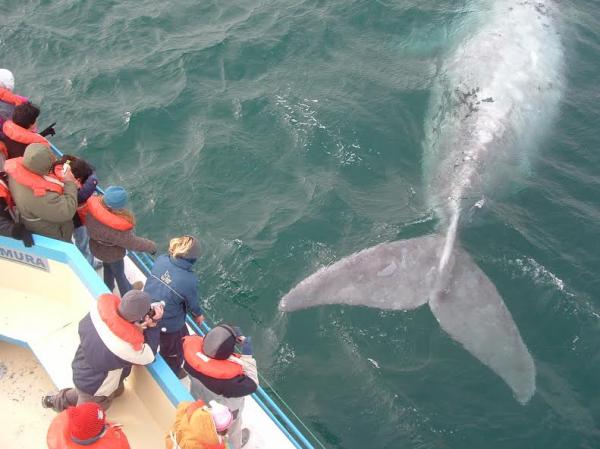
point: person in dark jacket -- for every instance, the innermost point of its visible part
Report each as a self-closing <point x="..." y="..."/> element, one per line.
<point x="87" y="182"/>
<point x="116" y="334"/>
<point x="219" y="374"/>
<point x="8" y="226"/>
<point x="173" y="281"/>
<point x="111" y="229"/>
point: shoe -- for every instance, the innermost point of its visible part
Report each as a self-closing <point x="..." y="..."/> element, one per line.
<point x="245" y="436"/>
<point x="181" y="373"/>
<point x="137" y="285"/>
<point x="47" y="401"/>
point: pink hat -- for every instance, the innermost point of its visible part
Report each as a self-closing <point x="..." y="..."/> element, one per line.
<point x="221" y="416"/>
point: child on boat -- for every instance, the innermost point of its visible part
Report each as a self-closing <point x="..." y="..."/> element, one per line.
<point x="219" y="374"/>
<point x="82" y="426"/>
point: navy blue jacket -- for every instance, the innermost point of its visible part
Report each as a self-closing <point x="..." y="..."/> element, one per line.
<point x="173" y="281"/>
<point x="94" y="361"/>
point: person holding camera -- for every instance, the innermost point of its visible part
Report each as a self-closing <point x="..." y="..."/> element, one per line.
<point x="173" y="281"/>
<point x="45" y="198"/>
<point x="217" y="373"/>
<point x="117" y="334"/>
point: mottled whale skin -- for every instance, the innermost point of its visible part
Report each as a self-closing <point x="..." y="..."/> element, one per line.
<point x="495" y="96"/>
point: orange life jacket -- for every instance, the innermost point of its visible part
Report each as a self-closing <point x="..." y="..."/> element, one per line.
<point x="9" y="97"/>
<point x="108" y="305"/>
<point x="5" y="193"/>
<point x="22" y="135"/>
<point x="106" y="217"/>
<point x="59" y="437"/>
<point x="217" y="369"/>
<point x="39" y="184"/>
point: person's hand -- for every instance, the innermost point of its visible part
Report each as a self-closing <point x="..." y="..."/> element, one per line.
<point x="159" y="310"/>
<point x="68" y="174"/>
<point x="20" y="232"/>
<point x="199" y="319"/>
<point x="49" y="131"/>
<point x="147" y="323"/>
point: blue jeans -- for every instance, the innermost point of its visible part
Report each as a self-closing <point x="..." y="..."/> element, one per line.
<point x="82" y="242"/>
<point x="116" y="271"/>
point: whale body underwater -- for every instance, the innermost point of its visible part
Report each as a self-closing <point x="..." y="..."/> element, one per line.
<point x="495" y="96"/>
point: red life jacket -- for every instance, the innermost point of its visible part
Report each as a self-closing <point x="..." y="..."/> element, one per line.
<point x="59" y="436"/>
<point x="16" y="138"/>
<point x="108" y="306"/>
<point x="9" y="97"/>
<point x="217" y="369"/>
<point x="39" y="184"/>
<point x="106" y="217"/>
<point x="5" y="193"/>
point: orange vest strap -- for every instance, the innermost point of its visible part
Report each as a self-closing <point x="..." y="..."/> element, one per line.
<point x="217" y="369"/>
<point x="106" y="217"/>
<point x="22" y="135"/>
<point x="5" y="193"/>
<point x="3" y="149"/>
<point x="40" y="185"/>
<point x="108" y="305"/>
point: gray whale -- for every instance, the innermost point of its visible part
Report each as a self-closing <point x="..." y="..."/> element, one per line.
<point x="496" y="95"/>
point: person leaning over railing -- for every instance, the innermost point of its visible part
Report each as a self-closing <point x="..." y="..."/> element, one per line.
<point x="173" y="281"/>
<point x="46" y="201"/>
<point x="219" y="374"/>
<point x="111" y="229"/>
<point x="87" y="181"/>
<point x="114" y="336"/>
<point x="21" y="130"/>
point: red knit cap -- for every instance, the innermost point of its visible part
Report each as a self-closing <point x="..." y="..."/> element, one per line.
<point x="86" y="421"/>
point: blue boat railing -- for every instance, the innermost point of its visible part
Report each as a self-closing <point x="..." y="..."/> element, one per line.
<point x="145" y="263"/>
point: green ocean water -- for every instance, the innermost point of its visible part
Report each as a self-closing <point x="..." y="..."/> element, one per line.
<point x="289" y="134"/>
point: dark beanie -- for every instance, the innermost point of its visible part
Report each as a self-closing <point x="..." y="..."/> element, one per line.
<point x="135" y="304"/>
<point x="219" y="342"/>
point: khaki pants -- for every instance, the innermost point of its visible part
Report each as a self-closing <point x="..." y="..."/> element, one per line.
<point x="72" y="396"/>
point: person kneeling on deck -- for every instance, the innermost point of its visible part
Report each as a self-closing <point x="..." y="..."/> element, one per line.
<point x="173" y="281"/>
<point x="46" y="201"/>
<point x="8" y="226"/>
<point x="111" y="230"/>
<point x="219" y="374"/>
<point x="116" y="334"/>
<point x="198" y="426"/>
<point x="85" y="426"/>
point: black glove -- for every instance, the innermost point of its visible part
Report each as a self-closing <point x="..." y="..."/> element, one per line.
<point x="20" y="232"/>
<point x="50" y="131"/>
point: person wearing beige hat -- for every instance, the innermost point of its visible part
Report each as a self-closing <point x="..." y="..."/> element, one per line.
<point x="173" y="281"/>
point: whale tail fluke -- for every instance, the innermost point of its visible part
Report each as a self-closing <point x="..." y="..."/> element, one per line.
<point x="404" y="275"/>
<point x="472" y="312"/>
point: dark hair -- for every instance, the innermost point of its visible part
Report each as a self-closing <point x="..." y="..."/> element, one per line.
<point x="25" y="114"/>
<point x="80" y="167"/>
